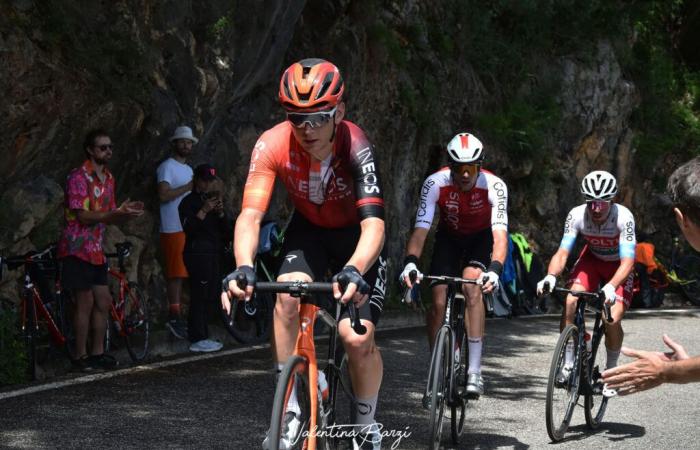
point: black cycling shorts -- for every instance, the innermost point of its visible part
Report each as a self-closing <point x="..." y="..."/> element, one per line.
<point x="81" y="275"/>
<point x="451" y="254"/>
<point x="322" y="252"/>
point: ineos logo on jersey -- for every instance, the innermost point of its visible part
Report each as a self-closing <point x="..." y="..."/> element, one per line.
<point x="370" y="179"/>
<point x="380" y="284"/>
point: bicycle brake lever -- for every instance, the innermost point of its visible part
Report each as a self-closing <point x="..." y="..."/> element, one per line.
<point x="357" y="326"/>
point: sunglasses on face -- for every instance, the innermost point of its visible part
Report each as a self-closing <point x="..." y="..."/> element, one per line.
<point x="315" y="120"/>
<point x="105" y="147"/>
<point x="597" y="205"/>
<point x="461" y="169"/>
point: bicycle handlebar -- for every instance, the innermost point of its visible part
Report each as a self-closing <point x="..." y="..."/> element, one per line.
<point x="583" y="295"/>
<point x="123" y="249"/>
<point x="301" y="288"/>
<point x="16" y="261"/>
<point x="444" y="279"/>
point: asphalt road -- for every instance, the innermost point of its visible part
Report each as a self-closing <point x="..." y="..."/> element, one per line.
<point x="224" y="401"/>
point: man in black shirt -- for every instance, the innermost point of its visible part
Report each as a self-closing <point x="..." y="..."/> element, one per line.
<point x="206" y="228"/>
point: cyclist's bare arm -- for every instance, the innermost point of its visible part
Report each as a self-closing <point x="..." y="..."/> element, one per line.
<point x="622" y="272"/>
<point x="126" y="211"/>
<point x="166" y="193"/>
<point x="366" y="252"/>
<point x="245" y="244"/>
<point x="500" y="246"/>
<point x="558" y="262"/>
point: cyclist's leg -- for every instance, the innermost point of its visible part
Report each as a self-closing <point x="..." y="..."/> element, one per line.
<point x="74" y="279"/>
<point x="614" y="333"/>
<point x="99" y="318"/>
<point x="446" y="261"/>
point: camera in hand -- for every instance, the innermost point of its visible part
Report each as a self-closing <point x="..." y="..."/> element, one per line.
<point x="211" y="195"/>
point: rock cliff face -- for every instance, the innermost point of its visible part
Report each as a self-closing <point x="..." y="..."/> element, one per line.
<point x="142" y="67"/>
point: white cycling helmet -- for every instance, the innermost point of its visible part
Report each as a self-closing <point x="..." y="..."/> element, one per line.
<point x="465" y="148"/>
<point x="599" y="185"/>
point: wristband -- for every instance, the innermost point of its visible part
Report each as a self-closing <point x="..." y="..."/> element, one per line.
<point x="495" y="267"/>
<point x="410" y="259"/>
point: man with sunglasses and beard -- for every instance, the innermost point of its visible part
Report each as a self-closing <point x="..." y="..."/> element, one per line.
<point x="89" y="206"/>
<point x="608" y="257"/>
<point x="471" y="241"/>
<point x="330" y="173"/>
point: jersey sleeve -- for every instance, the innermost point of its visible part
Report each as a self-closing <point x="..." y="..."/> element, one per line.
<point x="628" y="239"/>
<point x="571" y="228"/>
<point x="78" y="197"/>
<point x="429" y="194"/>
<point x="164" y="174"/>
<point x="368" y="188"/>
<point x="498" y="197"/>
<point x="261" y="175"/>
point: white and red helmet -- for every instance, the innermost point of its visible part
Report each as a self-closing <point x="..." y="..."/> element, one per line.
<point x="465" y="148"/>
<point x="599" y="185"/>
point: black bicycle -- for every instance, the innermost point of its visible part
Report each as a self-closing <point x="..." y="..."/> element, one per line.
<point x="447" y="376"/>
<point x="566" y="384"/>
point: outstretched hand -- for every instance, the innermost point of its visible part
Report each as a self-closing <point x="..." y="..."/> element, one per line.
<point x="646" y="372"/>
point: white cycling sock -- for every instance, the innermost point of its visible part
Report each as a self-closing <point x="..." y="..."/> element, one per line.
<point x="475" y="347"/>
<point x="569" y="354"/>
<point x="613" y="356"/>
<point x="293" y="402"/>
<point x="366" y="407"/>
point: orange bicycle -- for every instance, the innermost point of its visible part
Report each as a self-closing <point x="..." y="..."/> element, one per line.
<point x="318" y="413"/>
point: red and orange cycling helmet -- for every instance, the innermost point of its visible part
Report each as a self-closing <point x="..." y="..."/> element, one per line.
<point x="311" y="85"/>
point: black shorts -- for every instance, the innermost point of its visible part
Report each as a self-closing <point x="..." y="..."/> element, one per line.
<point x="322" y="252"/>
<point x="451" y="254"/>
<point x="78" y="274"/>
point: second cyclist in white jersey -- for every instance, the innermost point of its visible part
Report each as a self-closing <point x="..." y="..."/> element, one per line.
<point x="471" y="240"/>
<point x="608" y="258"/>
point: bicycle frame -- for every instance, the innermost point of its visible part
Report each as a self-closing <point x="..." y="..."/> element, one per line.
<point x="31" y="295"/>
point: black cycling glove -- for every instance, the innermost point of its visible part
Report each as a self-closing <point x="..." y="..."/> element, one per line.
<point x="350" y="274"/>
<point x="244" y="276"/>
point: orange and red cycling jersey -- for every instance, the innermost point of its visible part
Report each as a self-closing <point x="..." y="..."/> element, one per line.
<point x="349" y="183"/>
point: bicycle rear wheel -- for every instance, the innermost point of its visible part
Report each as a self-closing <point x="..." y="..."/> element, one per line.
<point x="136" y="323"/>
<point x="688" y="270"/>
<point x="459" y="381"/>
<point x="439" y="383"/>
<point x="294" y="376"/>
<point x="562" y="395"/>
<point x="595" y="403"/>
<point x="250" y="322"/>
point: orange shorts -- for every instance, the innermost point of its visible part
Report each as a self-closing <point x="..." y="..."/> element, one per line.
<point x="172" y="245"/>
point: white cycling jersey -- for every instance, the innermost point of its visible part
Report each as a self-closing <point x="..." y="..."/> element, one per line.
<point x="463" y="213"/>
<point x="610" y="241"/>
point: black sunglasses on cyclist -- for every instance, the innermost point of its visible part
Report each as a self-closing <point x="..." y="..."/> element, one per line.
<point x="315" y="120"/>
<point x="460" y="169"/>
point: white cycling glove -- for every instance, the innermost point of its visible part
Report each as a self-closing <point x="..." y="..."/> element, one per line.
<point x="410" y="267"/>
<point x="609" y="292"/>
<point x="492" y="278"/>
<point x="549" y="279"/>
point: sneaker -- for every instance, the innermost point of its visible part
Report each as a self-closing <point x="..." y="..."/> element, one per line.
<point x="102" y="362"/>
<point x="206" y="346"/>
<point x="369" y="440"/>
<point x="81" y="364"/>
<point x="475" y="385"/>
<point x="290" y="433"/>
<point x="178" y="328"/>
<point x="563" y="376"/>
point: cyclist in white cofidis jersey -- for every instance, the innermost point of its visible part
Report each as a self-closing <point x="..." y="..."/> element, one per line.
<point x="608" y="257"/>
<point x="471" y="241"/>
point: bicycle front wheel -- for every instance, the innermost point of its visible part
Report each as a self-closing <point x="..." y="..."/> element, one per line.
<point x="136" y="324"/>
<point x="459" y="384"/>
<point x="293" y="380"/>
<point x="595" y="403"/>
<point x="439" y="385"/>
<point x="562" y="389"/>
<point x="250" y="322"/>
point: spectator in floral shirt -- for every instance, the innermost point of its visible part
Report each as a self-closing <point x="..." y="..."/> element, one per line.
<point x="89" y="205"/>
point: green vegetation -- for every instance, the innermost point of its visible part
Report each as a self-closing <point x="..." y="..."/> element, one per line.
<point x="12" y="354"/>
